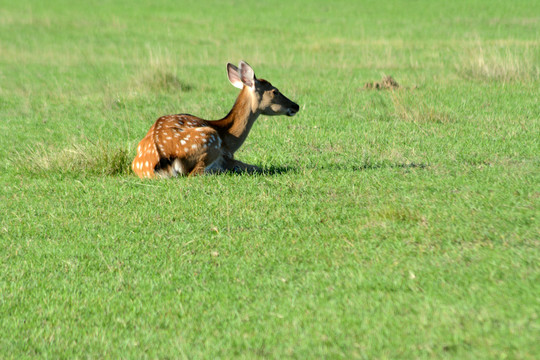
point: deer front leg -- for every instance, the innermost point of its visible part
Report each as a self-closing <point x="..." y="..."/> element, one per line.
<point x="238" y="166"/>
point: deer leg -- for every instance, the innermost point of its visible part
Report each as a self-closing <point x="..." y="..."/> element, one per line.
<point x="238" y="166"/>
<point x="198" y="169"/>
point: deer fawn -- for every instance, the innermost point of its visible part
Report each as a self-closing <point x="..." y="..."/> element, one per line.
<point x="187" y="145"/>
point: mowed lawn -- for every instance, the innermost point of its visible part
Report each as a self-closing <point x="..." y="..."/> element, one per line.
<point x="388" y="223"/>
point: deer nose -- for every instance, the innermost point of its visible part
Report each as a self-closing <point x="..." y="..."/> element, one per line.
<point x="293" y="109"/>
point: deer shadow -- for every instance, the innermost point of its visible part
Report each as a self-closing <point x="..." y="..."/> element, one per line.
<point x="264" y="171"/>
<point x="374" y="166"/>
<point x="276" y="170"/>
<point x="281" y="170"/>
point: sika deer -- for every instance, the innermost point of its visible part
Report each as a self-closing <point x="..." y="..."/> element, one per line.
<point x="187" y="145"/>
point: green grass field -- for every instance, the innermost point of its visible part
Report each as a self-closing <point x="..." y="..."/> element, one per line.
<point x="388" y="224"/>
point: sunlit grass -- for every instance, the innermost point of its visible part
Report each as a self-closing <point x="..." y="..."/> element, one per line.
<point x="392" y="223"/>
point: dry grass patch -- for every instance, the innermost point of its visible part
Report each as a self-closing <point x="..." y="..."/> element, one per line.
<point x="412" y="107"/>
<point x="159" y="74"/>
<point x="102" y="159"/>
<point x="501" y="63"/>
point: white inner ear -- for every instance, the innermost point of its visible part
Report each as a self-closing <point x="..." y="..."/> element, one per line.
<point x="237" y="83"/>
<point x="247" y="75"/>
<point x="234" y="77"/>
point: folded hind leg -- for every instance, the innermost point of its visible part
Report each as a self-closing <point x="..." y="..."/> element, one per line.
<point x="198" y="169"/>
<point x="204" y="159"/>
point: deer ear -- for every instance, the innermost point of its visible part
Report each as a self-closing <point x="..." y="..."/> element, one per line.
<point x="247" y="75"/>
<point x="234" y="76"/>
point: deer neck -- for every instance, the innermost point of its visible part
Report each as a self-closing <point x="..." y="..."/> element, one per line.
<point x="235" y="127"/>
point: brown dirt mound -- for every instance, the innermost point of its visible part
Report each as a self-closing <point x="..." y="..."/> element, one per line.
<point x="386" y="83"/>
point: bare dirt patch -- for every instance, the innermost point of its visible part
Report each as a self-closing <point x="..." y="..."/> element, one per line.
<point x="387" y="83"/>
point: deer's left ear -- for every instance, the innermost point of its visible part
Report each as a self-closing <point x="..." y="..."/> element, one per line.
<point x="247" y="75"/>
<point x="234" y="76"/>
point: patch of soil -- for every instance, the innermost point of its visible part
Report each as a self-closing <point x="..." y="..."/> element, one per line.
<point x="387" y="83"/>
